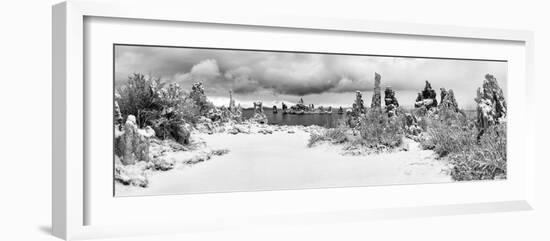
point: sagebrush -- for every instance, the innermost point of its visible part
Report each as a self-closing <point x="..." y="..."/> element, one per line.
<point x="454" y="135"/>
<point x="376" y="128"/>
<point x="486" y="160"/>
<point x="333" y="135"/>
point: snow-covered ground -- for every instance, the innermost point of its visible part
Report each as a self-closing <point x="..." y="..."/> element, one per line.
<point x="282" y="160"/>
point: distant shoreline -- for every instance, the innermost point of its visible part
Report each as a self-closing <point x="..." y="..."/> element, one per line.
<point x="336" y="108"/>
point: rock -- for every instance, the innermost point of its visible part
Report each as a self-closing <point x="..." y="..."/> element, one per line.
<point x="357" y="109"/>
<point x="376" y="96"/>
<point x="205" y="156"/>
<point x="358" y="105"/>
<point x="242" y="129"/>
<point x="134" y="174"/>
<point x="390" y="101"/>
<point x="300" y="108"/>
<point x="410" y="119"/>
<point x="199" y="157"/>
<point x="233" y="131"/>
<point x="411" y="125"/>
<point x="259" y="118"/>
<point x="291" y="132"/>
<point x="219" y="152"/>
<point x="232" y="106"/>
<point x="426" y="98"/>
<point x="265" y="131"/>
<point x="133" y="143"/>
<point x="175" y="129"/>
<point x="491" y="105"/>
<point x="284" y="107"/>
<point x="182" y="133"/>
<point x="258" y="107"/>
<point x="163" y="163"/>
<point x="444" y="93"/>
<point x="448" y="101"/>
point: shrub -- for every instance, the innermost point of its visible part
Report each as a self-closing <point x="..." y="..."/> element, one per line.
<point x="199" y="99"/>
<point x="486" y="160"/>
<point x="165" y="108"/>
<point x="334" y="135"/>
<point x="314" y="138"/>
<point x="376" y="128"/>
<point x="450" y="116"/>
<point x="423" y="123"/>
<point x="420" y="112"/>
<point x="139" y="97"/>
<point x="178" y="105"/>
<point x="189" y="112"/>
<point x="452" y="134"/>
<point x="448" y="137"/>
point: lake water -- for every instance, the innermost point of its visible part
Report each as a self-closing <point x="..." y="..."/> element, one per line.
<point x="326" y="120"/>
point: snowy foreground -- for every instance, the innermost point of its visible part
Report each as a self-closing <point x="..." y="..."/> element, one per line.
<point x="282" y="160"/>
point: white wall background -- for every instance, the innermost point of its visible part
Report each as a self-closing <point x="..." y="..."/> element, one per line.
<point x="25" y="126"/>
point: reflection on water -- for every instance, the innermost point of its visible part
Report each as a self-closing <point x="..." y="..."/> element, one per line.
<point x="326" y="120"/>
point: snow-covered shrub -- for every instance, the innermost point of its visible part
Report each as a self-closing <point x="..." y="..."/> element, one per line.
<point x="486" y="160"/>
<point x="333" y="135"/>
<point x="167" y="108"/>
<point x="451" y="134"/>
<point x="448" y="137"/>
<point x="376" y="128"/>
<point x="139" y="97"/>
<point x="199" y="99"/>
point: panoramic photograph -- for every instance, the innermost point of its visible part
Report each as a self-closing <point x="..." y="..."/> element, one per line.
<point x="192" y="120"/>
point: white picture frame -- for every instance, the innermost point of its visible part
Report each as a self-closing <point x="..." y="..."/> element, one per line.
<point x="70" y="195"/>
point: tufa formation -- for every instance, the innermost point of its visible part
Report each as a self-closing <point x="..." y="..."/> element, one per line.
<point x="491" y="106"/>
<point x="426" y="97"/>
<point x="390" y="101"/>
<point x="448" y="101"/>
<point x="376" y="96"/>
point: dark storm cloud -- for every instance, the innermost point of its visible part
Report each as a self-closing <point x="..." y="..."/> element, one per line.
<point x="298" y="74"/>
<point x="244" y="71"/>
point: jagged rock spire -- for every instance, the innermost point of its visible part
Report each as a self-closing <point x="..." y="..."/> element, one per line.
<point x="390" y="101"/>
<point x="376" y="96"/>
<point x="231" y="101"/>
<point x="491" y="105"/>
<point x="448" y="101"/>
<point x="358" y="105"/>
<point x="426" y="98"/>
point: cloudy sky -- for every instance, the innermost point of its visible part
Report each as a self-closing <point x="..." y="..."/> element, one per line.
<point x="321" y="79"/>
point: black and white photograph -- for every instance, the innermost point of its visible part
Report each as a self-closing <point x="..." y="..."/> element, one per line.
<point x="192" y="120"/>
<point x="275" y="120"/>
